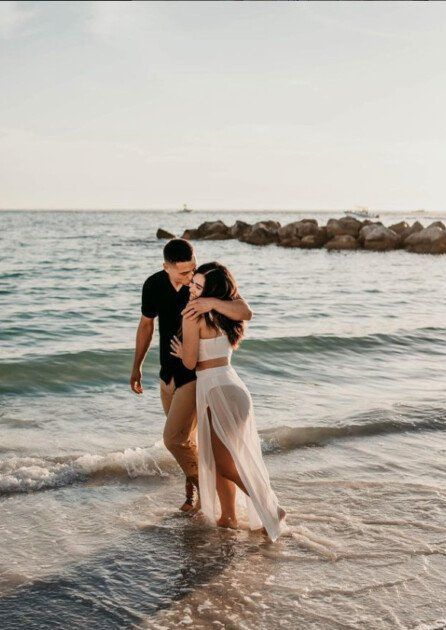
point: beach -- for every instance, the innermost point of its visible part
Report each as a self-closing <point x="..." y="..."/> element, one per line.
<point x="345" y="361"/>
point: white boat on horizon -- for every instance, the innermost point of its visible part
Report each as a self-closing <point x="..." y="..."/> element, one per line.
<point x="362" y="211"/>
<point x="185" y="208"/>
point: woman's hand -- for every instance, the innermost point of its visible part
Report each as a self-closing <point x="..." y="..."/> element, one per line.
<point x="176" y="347"/>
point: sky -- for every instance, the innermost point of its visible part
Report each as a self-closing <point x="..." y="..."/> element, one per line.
<point x="229" y="105"/>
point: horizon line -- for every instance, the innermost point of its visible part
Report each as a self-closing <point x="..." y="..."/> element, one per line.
<point x="216" y="209"/>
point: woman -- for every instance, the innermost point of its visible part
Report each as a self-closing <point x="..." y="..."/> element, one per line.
<point x="229" y="452"/>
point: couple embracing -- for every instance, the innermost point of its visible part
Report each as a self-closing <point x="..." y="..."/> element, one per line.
<point x="201" y="321"/>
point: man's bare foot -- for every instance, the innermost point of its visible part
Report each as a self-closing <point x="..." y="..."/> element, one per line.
<point x="191" y="496"/>
<point x="191" y="508"/>
<point x="227" y="521"/>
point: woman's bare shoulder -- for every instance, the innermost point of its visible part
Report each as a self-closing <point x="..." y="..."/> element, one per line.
<point x="202" y="327"/>
<point x="195" y="324"/>
<point x="208" y="332"/>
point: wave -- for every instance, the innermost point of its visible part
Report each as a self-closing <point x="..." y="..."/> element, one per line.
<point x="376" y="422"/>
<point x="62" y="372"/>
<point x="416" y="339"/>
<point x="32" y="473"/>
<point x="65" y="371"/>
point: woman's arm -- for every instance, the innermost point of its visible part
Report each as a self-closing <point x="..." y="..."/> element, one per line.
<point x="237" y="310"/>
<point x="191" y="339"/>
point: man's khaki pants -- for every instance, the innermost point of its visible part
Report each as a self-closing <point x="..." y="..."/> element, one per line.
<point x="180" y="431"/>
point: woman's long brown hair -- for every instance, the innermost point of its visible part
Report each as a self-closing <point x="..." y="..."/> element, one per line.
<point x="220" y="283"/>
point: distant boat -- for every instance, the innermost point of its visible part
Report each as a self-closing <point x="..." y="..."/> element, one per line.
<point x="185" y="209"/>
<point x="362" y="211"/>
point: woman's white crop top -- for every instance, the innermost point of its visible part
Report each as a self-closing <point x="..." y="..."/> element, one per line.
<point x="214" y="348"/>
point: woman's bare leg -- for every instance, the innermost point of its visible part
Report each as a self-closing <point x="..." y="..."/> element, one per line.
<point x="226" y="467"/>
<point x="226" y="491"/>
<point x="223" y="459"/>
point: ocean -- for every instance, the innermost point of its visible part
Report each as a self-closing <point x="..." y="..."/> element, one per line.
<point x="345" y="359"/>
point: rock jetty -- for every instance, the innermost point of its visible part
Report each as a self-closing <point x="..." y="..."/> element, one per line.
<point x="337" y="234"/>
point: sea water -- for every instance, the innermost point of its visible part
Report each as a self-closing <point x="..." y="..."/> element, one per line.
<point x="345" y="359"/>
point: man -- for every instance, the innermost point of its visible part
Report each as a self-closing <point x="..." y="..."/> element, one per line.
<point x="165" y="295"/>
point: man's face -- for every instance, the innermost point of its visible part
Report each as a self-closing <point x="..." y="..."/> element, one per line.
<point x="181" y="272"/>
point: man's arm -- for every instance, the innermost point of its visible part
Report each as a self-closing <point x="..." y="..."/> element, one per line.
<point x="238" y="310"/>
<point x="143" y="339"/>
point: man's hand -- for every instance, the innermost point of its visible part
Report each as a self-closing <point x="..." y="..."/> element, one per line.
<point x="135" y="381"/>
<point x="197" y="307"/>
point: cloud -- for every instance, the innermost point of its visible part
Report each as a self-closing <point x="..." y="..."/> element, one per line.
<point x="13" y="16"/>
<point x="111" y="19"/>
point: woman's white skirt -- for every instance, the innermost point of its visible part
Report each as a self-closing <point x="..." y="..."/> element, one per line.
<point x="222" y="391"/>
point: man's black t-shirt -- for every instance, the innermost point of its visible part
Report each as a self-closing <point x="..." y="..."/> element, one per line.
<point x="161" y="299"/>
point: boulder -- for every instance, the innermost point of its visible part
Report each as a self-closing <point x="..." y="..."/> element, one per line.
<point x="293" y="241"/>
<point x="214" y="230"/>
<point x="345" y="225"/>
<point x="309" y="221"/>
<point x="380" y="239"/>
<point x="316" y="239"/>
<point x="366" y="229"/>
<point x="430" y="240"/>
<point x="218" y="236"/>
<point x="190" y="235"/>
<point x="288" y="235"/>
<point x="160" y="233"/>
<point x="270" y="225"/>
<point x="209" y="230"/>
<point x="342" y="241"/>
<point x="261" y="233"/>
<point x="439" y="224"/>
<point x="239" y="229"/>
<point x="306" y="227"/>
<point x="291" y="235"/>
<point x="399" y="228"/>
<point x="413" y="229"/>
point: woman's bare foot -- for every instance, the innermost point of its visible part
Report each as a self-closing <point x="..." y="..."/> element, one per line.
<point x="227" y="521"/>
<point x="281" y="513"/>
<point x="187" y="507"/>
<point x="199" y="517"/>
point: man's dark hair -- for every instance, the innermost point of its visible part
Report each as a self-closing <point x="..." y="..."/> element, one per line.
<point x="178" y="250"/>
